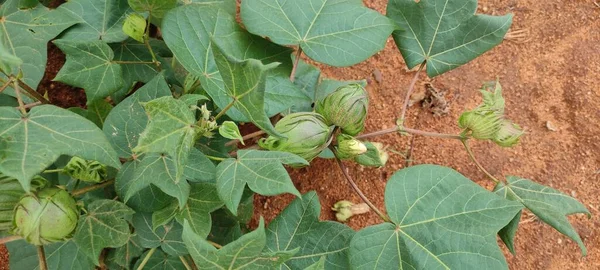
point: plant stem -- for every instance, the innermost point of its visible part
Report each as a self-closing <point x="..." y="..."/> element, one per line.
<point x="5" y="85"/>
<point x="54" y="171"/>
<point x="133" y="62"/>
<point x="222" y="112"/>
<point x="147" y="42"/>
<point x="185" y="263"/>
<point x="411" y="131"/>
<point x="215" y="244"/>
<point x="32" y="92"/>
<point x="215" y="158"/>
<point x="479" y="166"/>
<point x="358" y="191"/>
<point x="9" y="239"/>
<point x="31" y="105"/>
<point x="19" y="99"/>
<point x="295" y="67"/>
<point x="246" y="137"/>
<point x="42" y="258"/>
<point x="146" y="259"/>
<point x="87" y="189"/>
<point x="409" y="92"/>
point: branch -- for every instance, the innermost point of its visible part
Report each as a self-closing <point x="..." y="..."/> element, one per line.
<point x="246" y="137"/>
<point x="146" y="259"/>
<point x="410" y="131"/>
<point x="6" y="84"/>
<point x="295" y="67"/>
<point x="87" y="189"/>
<point x="19" y="99"/>
<point x="147" y="42"/>
<point x="33" y="92"/>
<point x="410" y="90"/>
<point x="42" y="258"/>
<point x="359" y="192"/>
<point x="9" y="239"/>
<point x="479" y="166"/>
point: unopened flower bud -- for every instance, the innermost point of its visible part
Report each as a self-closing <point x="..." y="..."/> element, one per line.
<point x="346" y="108"/>
<point x="481" y="125"/>
<point x="349" y="147"/>
<point x="305" y="134"/>
<point x="86" y="170"/>
<point x="46" y="217"/>
<point x="508" y="135"/>
<point x="345" y="210"/>
<point x="376" y="156"/>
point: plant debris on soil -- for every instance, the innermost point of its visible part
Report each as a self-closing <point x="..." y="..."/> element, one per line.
<point x="549" y="68"/>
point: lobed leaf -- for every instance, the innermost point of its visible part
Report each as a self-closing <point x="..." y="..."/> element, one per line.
<point x="127" y="120"/>
<point x="262" y="171"/>
<point x="441" y="220"/>
<point x="167" y="237"/>
<point x="189" y="32"/>
<point x="243" y="253"/>
<point x="444" y="33"/>
<point x="202" y="202"/>
<point x="90" y="66"/>
<point x="25" y="34"/>
<point x="103" y="226"/>
<point x="33" y="142"/>
<point x="298" y="226"/>
<point x="148" y="199"/>
<point x="171" y="130"/>
<point x="100" y="20"/>
<point x="160" y="261"/>
<point x="59" y="256"/>
<point x="550" y="205"/>
<point x="123" y="256"/>
<point x="157" y="8"/>
<point x="334" y="32"/>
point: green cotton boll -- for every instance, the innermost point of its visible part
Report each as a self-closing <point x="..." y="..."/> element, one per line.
<point x="375" y="156"/>
<point x="346" y="108"/>
<point x="11" y="192"/>
<point x="348" y="147"/>
<point x="47" y="216"/>
<point x="508" y="135"/>
<point x="481" y="125"/>
<point x="306" y="135"/>
<point x="86" y="170"/>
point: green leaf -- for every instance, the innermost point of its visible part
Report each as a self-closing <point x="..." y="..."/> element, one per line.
<point x="8" y="101"/>
<point x="26" y="32"/>
<point x="549" y="204"/>
<point x="244" y="253"/>
<point x="245" y="82"/>
<point x="123" y="256"/>
<point x="101" y="20"/>
<point x="261" y="170"/>
<point x="8" y="62"/>
<point x="442" y="220"/>
<point x="90" y="66"/>
<point x="159" y="170"/>
<point x="319" y="265"/>
<point x="133" y="51"/>
<point x="148" y="199"/>
<point x="507" y="234"/>
<point x="171" y="130"/>
<point x="127" y="120"/>
<point x="96" y="112"/>
<point x="157" y="8"/>
<point x="200" y="168"/>
<point x="298" y="226"/>
<point x="444" y="33"/>
<point x="167" y="237"/>
<point x="306" y="81"/>
<point x="103" y="226"/>
<point x="203" y="200"/>
<point x="337" y="33"/>
<point x="135" y="26"/>
<point x="226" y="5"/>
<point x="188" y="30"/>
<point x="230" y="130"/>
<point x="59" y="256"/>
<point x="160" y="261"/>
<point x="32" y="143"/>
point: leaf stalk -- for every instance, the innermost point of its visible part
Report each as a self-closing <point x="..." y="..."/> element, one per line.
<point x="479" y="166"/>
<point x="146" y="259"/>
